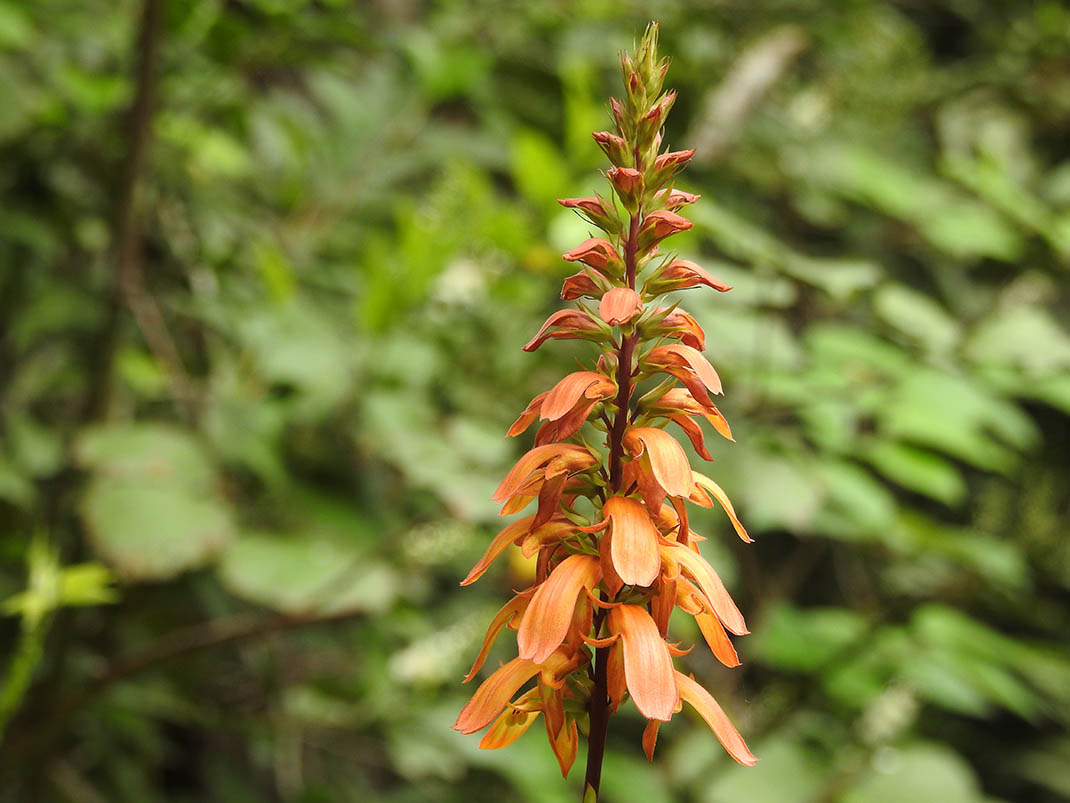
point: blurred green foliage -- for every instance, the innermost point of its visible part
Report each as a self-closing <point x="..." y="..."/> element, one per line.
<point x="345" y="224"/>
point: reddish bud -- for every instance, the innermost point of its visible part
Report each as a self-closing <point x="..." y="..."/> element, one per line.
<point x="569" y="324"/>
<point x="580" y="284"/>
<point x="628" y="183"/>
<point x="673" y="159"/>
<point x="596" y="211"/>
<point x="659" y="225"/>
<point x="614" y="147"/>
<point x="673" y="199"/>
<point x="680" y="274"/>
<point x="598" y="253"/>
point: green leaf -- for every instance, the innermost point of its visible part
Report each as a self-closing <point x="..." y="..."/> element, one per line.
<point x="307" y="575"/>
<point x="539" y="171"/>
<point x="917" y="316"/>
<point x="917" y="470"/>
<point x="786" y="770"/>
<point x="1027" y="338"/>
<point x="153" y="531"/>
<point x="921" y="771"/>
<point x="145" y="452"/>
<point x="805" y="640"/>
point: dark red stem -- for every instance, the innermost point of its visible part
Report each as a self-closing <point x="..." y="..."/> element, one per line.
<point x="599" y="704"/>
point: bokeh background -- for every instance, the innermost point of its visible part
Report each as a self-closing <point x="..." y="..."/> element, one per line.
<point x="265" y="271"/>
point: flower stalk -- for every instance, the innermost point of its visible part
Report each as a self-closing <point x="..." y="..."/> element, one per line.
<point x="615" y="551"/>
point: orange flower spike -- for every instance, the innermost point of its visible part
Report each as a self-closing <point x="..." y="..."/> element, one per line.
<point x="494" y="694"/>
<point x="547" y="618"/>
<point x="588" y="604"/>
<point x="619" y="306"/>
<point x="726" y="733"/>
<point x="648" y="669"/>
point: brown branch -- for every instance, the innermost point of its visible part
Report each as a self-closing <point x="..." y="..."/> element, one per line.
<point x="129" y="290"/>
<point x="175" y="645"/>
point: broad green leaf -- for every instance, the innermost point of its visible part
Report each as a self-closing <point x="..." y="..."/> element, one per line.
<point x="917" y="316"/>
<point x="787" y="771"/>
<point x="921" y="771"/>
<point x="145" y="452"/>
<point x="152" y="531"/>
<point x="917" y="470"/>
<point x="307" y="575"/>
<point x="805" y="639"/>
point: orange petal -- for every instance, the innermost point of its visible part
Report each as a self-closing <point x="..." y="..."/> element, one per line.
<point x="578" y="285"/>
<point x="634" y="546"/>
<point x="694" y="434"/>
<point x="681" y="326"/>
<point x="619" y="306"/>
<point x="535" y="458"/>
<point x="719" y="643"/>
<point x="565" y="745"/>
<point x="571" y="323"/>
<point x="511" y="609"/>
<point x="726" y="733"/>
<point x="684" y="273"/>
<point x="510" y="725"/>
<point x="667" y="459"/>
<point x="662" y="604"/>
<point x="569" y="391"/>
<point x="546" y="620"/>
<point x="682" y="400"/>
<point x="648" y="668"/>
<point x="710" y="584"/>
<point x="650" y="738"/>
<point x="616" y="682"/>
<point x="494" y="694"/>
<point x="501" y="541"/>
<point x="610" y="578"/>
<point x="596" y="252"/>
<point x="714" y="490"/>
<point x="527" y="418"/>
<point x="679" y="354"/>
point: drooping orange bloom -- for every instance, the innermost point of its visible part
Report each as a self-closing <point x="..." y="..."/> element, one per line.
<point x="592" y="631"/>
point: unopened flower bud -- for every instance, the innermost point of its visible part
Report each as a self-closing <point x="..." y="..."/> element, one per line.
<point x="668" y="165"/>
<point x="614" y="147"/>
<point x="599" y="254"/>
<point x="628" y="183"/>
<point x="659" y="225"/>
<point x="673" y="199"/>
<point x="603" y="215"/>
